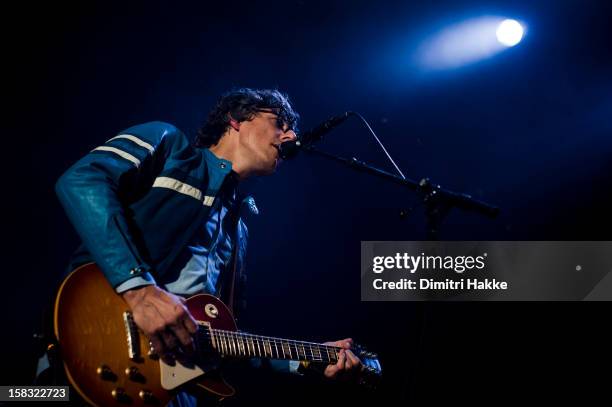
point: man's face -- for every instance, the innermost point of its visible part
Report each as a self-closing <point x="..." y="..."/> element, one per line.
<point x="259" y="141"/>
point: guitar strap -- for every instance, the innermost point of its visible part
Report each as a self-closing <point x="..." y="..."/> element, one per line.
<point x="228" y="290"/>
<point x="233" y="272"/>
<point x="232" y="283"/>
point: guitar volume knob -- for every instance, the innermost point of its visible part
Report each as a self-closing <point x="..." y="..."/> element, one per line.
<point x="131" y="372"/>
<point x="134" y="374"/>
<point x="105" y="373"/>
<point x="146" y="396"/>
<point x="120" y="395"/>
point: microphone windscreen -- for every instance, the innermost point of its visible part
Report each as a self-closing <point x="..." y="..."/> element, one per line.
<point x="288" y="149"/>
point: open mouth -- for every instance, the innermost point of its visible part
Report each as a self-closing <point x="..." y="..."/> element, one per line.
<point x="277" y="147"/>
<point x="277" y="158"/>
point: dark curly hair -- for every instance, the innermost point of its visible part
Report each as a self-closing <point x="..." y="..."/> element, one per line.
<point x="242" y="105"/>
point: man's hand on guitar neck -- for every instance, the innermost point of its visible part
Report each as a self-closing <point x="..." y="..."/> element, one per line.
<point x="348" y="364"/>
<point x="163" y="318"/>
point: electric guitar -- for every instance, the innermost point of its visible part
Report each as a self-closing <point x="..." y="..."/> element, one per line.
<point x="109" y="361"/>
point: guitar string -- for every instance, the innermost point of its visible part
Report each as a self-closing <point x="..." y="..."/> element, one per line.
<point x="238" y="342"/>
<point x="233" y="347"/>
<point x="235" y="336"/>
<point x="230" y="341"/>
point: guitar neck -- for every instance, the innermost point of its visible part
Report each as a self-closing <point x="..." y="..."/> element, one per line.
<point x="241" y="344"/>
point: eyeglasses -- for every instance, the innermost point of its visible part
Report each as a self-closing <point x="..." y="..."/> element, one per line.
<point x="280" y="122"/>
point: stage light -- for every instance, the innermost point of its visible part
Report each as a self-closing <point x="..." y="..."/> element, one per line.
<point x="467" y="41"/>
<point x="509" y="32"/>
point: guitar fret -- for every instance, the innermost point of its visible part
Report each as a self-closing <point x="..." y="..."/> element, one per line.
<point x="248" y="348"/>
<point x="241" y="345"/>
<point x="335" y="354"/>
<point x="297" y="356"/>
<point x="258" y="347"/>
<point x="286" y="347"/>
<point x="267" y="347"/>
<point x="234" y="344"/>
<point x="226" y="342"/>
<point x="220" y="341"/>
<point x="230" y="345"/>
<point x="213" y="340"/>
<point x="318" y="357"/>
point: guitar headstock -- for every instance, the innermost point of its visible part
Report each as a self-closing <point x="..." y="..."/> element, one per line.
<point x="372" y="372"/>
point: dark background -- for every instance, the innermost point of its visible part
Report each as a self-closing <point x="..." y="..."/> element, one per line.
<point x="528" y="130"/>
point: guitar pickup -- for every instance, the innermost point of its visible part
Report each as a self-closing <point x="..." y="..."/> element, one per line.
<point x="131" y="332"/>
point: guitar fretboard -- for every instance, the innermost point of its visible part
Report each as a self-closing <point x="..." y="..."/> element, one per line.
<point x="242" y="344"/>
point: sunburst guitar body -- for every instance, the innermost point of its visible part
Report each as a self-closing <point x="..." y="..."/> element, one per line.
<point x="109" y="361"/>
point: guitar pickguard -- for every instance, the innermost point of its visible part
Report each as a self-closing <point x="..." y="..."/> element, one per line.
<point x="174" y="376"/>
<point x="181" y="372"/>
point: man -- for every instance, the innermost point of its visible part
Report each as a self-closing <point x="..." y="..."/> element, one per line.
<point x="160" y="215"/>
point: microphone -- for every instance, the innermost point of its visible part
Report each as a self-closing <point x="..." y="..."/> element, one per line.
<point x="289" y="149"/>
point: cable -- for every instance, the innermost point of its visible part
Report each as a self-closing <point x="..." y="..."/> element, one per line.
<point x="379" y="143"/>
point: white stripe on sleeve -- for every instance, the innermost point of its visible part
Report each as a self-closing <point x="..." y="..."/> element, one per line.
<point x="120" y="153"/>
<point x="135" y="140"/>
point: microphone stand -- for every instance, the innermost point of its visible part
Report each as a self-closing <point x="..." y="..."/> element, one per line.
<point x="437" y="201"/>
